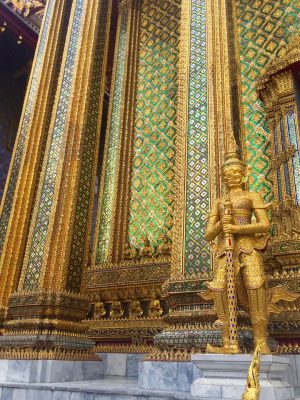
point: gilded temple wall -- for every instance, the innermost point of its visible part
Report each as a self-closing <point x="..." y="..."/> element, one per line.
<point x="264" y="28"/>
<point x="169" y="124"/>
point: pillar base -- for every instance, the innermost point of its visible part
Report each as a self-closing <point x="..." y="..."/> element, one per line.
<point x="47" y="326"/>
<point x="225" y="377"/>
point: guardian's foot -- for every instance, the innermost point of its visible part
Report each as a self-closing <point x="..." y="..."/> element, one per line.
<point x="263" y="347"/>
<point x="261" y="336"/>
<point x="226" y="349"/>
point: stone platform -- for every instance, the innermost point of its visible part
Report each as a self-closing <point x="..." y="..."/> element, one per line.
<point x="116" y="388"/>
<point x="167" y="376"/>
<point x="225" y="376"/>
<point x="156" y="380"/>
<point x="52" y="371"/>
<point x="48" y="371"/>
<point x="112" y="388"/>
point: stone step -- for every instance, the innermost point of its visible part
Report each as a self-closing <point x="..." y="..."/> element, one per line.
<point x="112" y="388"/>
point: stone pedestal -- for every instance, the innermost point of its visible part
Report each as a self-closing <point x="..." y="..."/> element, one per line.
<point x="225" y="376"/>
<point x="49" y="371"/>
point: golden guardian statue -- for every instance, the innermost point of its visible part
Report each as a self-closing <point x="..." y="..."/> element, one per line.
<point x="239" y="226"/>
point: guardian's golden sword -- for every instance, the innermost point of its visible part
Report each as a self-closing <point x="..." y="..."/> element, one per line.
<point x="230" y="279"/>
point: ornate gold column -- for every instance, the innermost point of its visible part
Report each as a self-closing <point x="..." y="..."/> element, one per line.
<point x="47" y="302"/>
<point x="278" y="91"/>
<point x="277" y="88"/>
<point x="18" y="198"/>
<point x="115" y="180"/>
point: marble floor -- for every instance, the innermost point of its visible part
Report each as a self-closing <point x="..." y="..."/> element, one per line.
<point x="111" y="388"/>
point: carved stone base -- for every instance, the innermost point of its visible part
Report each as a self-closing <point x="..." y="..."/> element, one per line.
<point x="225" y="376"/>
<point x="49" y="371"/>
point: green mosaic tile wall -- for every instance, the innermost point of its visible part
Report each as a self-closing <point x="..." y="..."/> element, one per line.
<point x="151" y="204"/>
<point x="264" y="28"/>
<point x="197" y="252"/>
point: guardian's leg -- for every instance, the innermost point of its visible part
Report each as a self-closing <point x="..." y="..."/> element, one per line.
<point x="255" y="282"/>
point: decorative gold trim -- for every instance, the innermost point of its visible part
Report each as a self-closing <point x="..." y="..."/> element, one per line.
<point x="276" y="89"/>
<point x="124" y="323"/>
<point x="182" y="355"/>
<point x="125" y="349"/>
<point x="252" y="391"/>
<point x="96" y="161"/>
<point x="289" y="348"/>
<point x="178" y="247"/>
<point x="59" y="354"/>
<point x="119" y="235"/>
<point x="26" y="99"/>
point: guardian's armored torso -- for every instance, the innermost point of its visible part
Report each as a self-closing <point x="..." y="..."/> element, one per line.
<point x="245" y="208"/>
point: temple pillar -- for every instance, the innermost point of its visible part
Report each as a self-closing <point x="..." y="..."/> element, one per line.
<point x="21" y="184"/>
<point x="115" y="179"/>
<point x="278" y="88"/>
<point x="46" y="310"/>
